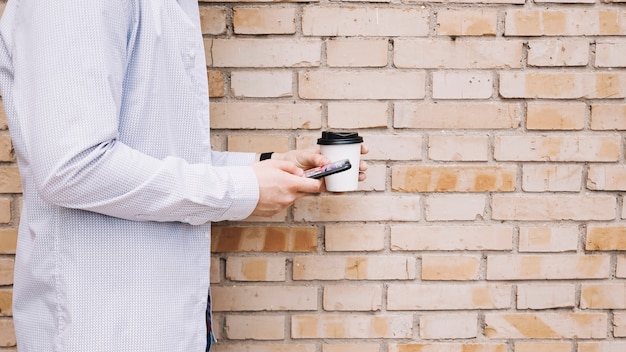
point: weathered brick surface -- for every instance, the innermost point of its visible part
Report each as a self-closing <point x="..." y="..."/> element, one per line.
<point x="451" y="238"/>
<point x="447" y="296"/>
<point x="558" y="52"/>
<point x="546" y="325"/>
<point x="351" y="326"/>
<point x="546" y="296"/>
<point x="547" y="267"/>
<point x="453" y="178"/>
<point x="354" y="268"/>
<point x="492" y="217"/>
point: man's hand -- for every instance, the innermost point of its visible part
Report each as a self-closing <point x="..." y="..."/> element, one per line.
<point x="303" y="158"/>
<point x="280" y="184"/>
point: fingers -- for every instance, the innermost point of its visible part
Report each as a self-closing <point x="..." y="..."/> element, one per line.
<point x="308" y="158"/>
<point x="286" y="166"/>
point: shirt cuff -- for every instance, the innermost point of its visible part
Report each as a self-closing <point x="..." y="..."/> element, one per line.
<point x="245" y="191"/>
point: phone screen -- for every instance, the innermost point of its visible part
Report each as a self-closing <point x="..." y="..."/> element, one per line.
<point x="328" y="169"/>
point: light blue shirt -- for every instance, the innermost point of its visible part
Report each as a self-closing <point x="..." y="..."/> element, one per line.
<point x="107" y="103"/>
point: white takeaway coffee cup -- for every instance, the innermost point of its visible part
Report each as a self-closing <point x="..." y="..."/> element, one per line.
<point x="338" y="146"/>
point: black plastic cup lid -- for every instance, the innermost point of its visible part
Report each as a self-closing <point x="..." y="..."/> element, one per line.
<point x="335" y="138"/>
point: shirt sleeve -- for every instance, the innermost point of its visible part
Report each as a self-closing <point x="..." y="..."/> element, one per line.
<point x="66" y="64"/>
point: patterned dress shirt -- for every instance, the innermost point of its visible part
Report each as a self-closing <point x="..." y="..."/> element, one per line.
<point x="107" y="104"/>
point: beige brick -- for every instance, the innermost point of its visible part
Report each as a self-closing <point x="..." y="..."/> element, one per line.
<point x="431" y="296"/>
<point x="356" y="52"/>
<point x="393" y="146"/>
<point x="462" y="85"/>
<point x="279" y="347"/>
<point x="346" y="326"/>
<point x="548" y="346"/>
<point x="557" y="238"/>
<point x="215" y="273"/>
<point x="5" y="210"/>
<point x="556" y="148"/>
<point x="611" y="53"/>
<point x="547" y="267"/>
<point x="451" y="238"/>
<point x="605" y="238"/>
<point x="352" y="298"/>
<point x="458" y="148"/>
<point x="608" y="117"/>
<point x="213" y="19"/>
<point x="552" y="177"/>
<point x="609" y="346"/>
<point x="447" y="347"/>
<point x="255" y="327"/>
<point x="351" y="208"/>
<point x="366" y="238"/>
<point x="364" y="21"/>
<point x="566" y="22"/>
<point x="379" y="84"/>
<point x="266" y="53"/>
<point x="6" y="148"/>
<point x="7" y="333"/>
<point x="264" y="20"/>
<point x="376" y="178"/>
<point x="255" y="268"/>
<point x="460" y="22"/>
<point x="603" y="296"/>
<point x="7" y="266"/>
<point x="450" y="267"/>
<point x="257" y="143"/>
<point x="354" y="268"/>
<point x="563" y="85"/>
<point x="546" y="296"/>
<point x="409" y="178"/>
<point x="264" y="239"/>
<point x="545" y="325"/>
<point x="621" y="267"/>
<point x="357" y="115"/>
<point x="10" y="181"/>
<point x="606" y="177"/>
<point x="553" y="208"/>
<point x="455" y="207"/>
<point x="6" y="302"/>
<point x="446" y="115"/>
<point x="263" y="298"/>
<point x="261" y="84"/>
<point x="261" y="115"/>
<point x="351" y="347"/>
<point x="558" y="52"/>
<point x="216" y="84"/>
<point x="465" y="54"/>
<point x="619" y="325"/>
<point x="8" y="241"/>
<point x="448" y="326"/>
<point x="556" y="116"/>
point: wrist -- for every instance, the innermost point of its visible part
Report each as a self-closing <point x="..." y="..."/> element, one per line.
<point x="266" y="156"/>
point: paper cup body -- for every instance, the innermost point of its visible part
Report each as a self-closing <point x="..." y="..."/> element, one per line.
<point x="339" y="149"/>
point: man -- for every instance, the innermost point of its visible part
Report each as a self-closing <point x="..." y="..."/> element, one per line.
<point x="107" y="104"/>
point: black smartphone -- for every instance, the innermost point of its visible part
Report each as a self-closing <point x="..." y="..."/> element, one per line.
<point x="328" y="169"/>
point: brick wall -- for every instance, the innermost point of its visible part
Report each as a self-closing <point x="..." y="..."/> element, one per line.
<point x="492" y="219"/>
